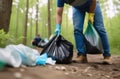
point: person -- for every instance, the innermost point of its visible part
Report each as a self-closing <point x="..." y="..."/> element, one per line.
<point x="80" y="7"/>
<point x="36" y="40"/>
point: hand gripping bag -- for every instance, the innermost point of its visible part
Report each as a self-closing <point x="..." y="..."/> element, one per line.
<point x="92" y="40"/>
<point x="59" y="49"/>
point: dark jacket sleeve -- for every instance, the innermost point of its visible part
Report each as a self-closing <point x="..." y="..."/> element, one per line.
<point x="60" y="3"/>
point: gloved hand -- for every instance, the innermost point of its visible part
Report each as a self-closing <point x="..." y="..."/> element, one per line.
<point x="58" y="29"/>
<point x="91" y="17"/>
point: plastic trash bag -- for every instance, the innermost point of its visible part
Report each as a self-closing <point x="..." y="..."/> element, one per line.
<point x="50" y="61"/>
<point x="41" y="60"/>
<point x="59" y="49"/>
<point x="11" y="58"/>
<point x="92" y="40"/>
<point x="27" y="54"/>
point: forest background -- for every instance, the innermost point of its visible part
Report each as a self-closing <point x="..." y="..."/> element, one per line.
<point x="30" y="17"/>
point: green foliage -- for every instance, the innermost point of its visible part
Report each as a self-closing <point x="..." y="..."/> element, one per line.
<point x="114" y="34"/>
<point x="6" y="39"/>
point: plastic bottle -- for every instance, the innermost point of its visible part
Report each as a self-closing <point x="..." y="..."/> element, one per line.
<point x="2" y="65"/>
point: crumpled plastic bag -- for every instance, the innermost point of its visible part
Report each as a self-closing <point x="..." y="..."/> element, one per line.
<point x="27" y="54"/>
<point x="41" y="60"/>
<point x="9" y="57"/>
<point x="92" y="40"/>
<point x="50" y="61"/>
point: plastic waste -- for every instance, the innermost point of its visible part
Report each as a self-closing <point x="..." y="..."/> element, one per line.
<point x="92" y="40"/>
<point x="9" y="57"/>
<point x="27" y="54"/>
<point x="2" y="65"/>
<point x="50" y="61"/>
<point x="59" y="49"/>
<point x="41" y="60"/>
<point x="51" y="36"/>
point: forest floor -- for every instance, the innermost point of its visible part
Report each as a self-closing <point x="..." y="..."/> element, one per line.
<point x="94" y="69"/>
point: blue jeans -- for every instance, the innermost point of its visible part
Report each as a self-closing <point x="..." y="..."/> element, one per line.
<point x="78" y="21"/>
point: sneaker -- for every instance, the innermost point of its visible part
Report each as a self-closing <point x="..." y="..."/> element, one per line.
<point x="107" y="60"/>
<point x="80" y="59"/>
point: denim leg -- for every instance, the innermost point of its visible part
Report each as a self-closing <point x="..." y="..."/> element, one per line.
<point x="78" y="21"/>
<point x="99" y="26"/>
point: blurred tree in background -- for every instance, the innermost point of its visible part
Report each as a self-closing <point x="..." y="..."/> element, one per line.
<point x="5" y="13"/>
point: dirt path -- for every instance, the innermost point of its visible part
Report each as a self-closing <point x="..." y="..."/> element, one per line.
<point x="94" y="69"/>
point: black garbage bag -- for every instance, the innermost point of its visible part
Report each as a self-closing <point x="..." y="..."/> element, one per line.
<point x="90" y="49"/>
<point x="92" y="40"/>
<point x="59" y="49"/>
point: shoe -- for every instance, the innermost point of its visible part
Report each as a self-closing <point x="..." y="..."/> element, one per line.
<point x="80" y="59"/>
<point x="107" y="60"/>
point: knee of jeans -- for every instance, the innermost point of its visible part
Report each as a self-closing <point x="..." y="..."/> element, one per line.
<point x="101" y="32"/>
<point x="100" y="28"/>
<point x="77" y="31"/>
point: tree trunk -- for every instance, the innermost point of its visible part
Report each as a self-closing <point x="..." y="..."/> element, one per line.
<point x="26" y="21"/>
<point x="49" y="19"/>
<point x="37" y="16"/>
<point x="5" y="13"/>
<point x="31" y="24"/>
<point x="17" y="19"/>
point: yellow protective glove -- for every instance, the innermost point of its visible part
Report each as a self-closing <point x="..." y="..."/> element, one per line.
<point x="91" y="17"/>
